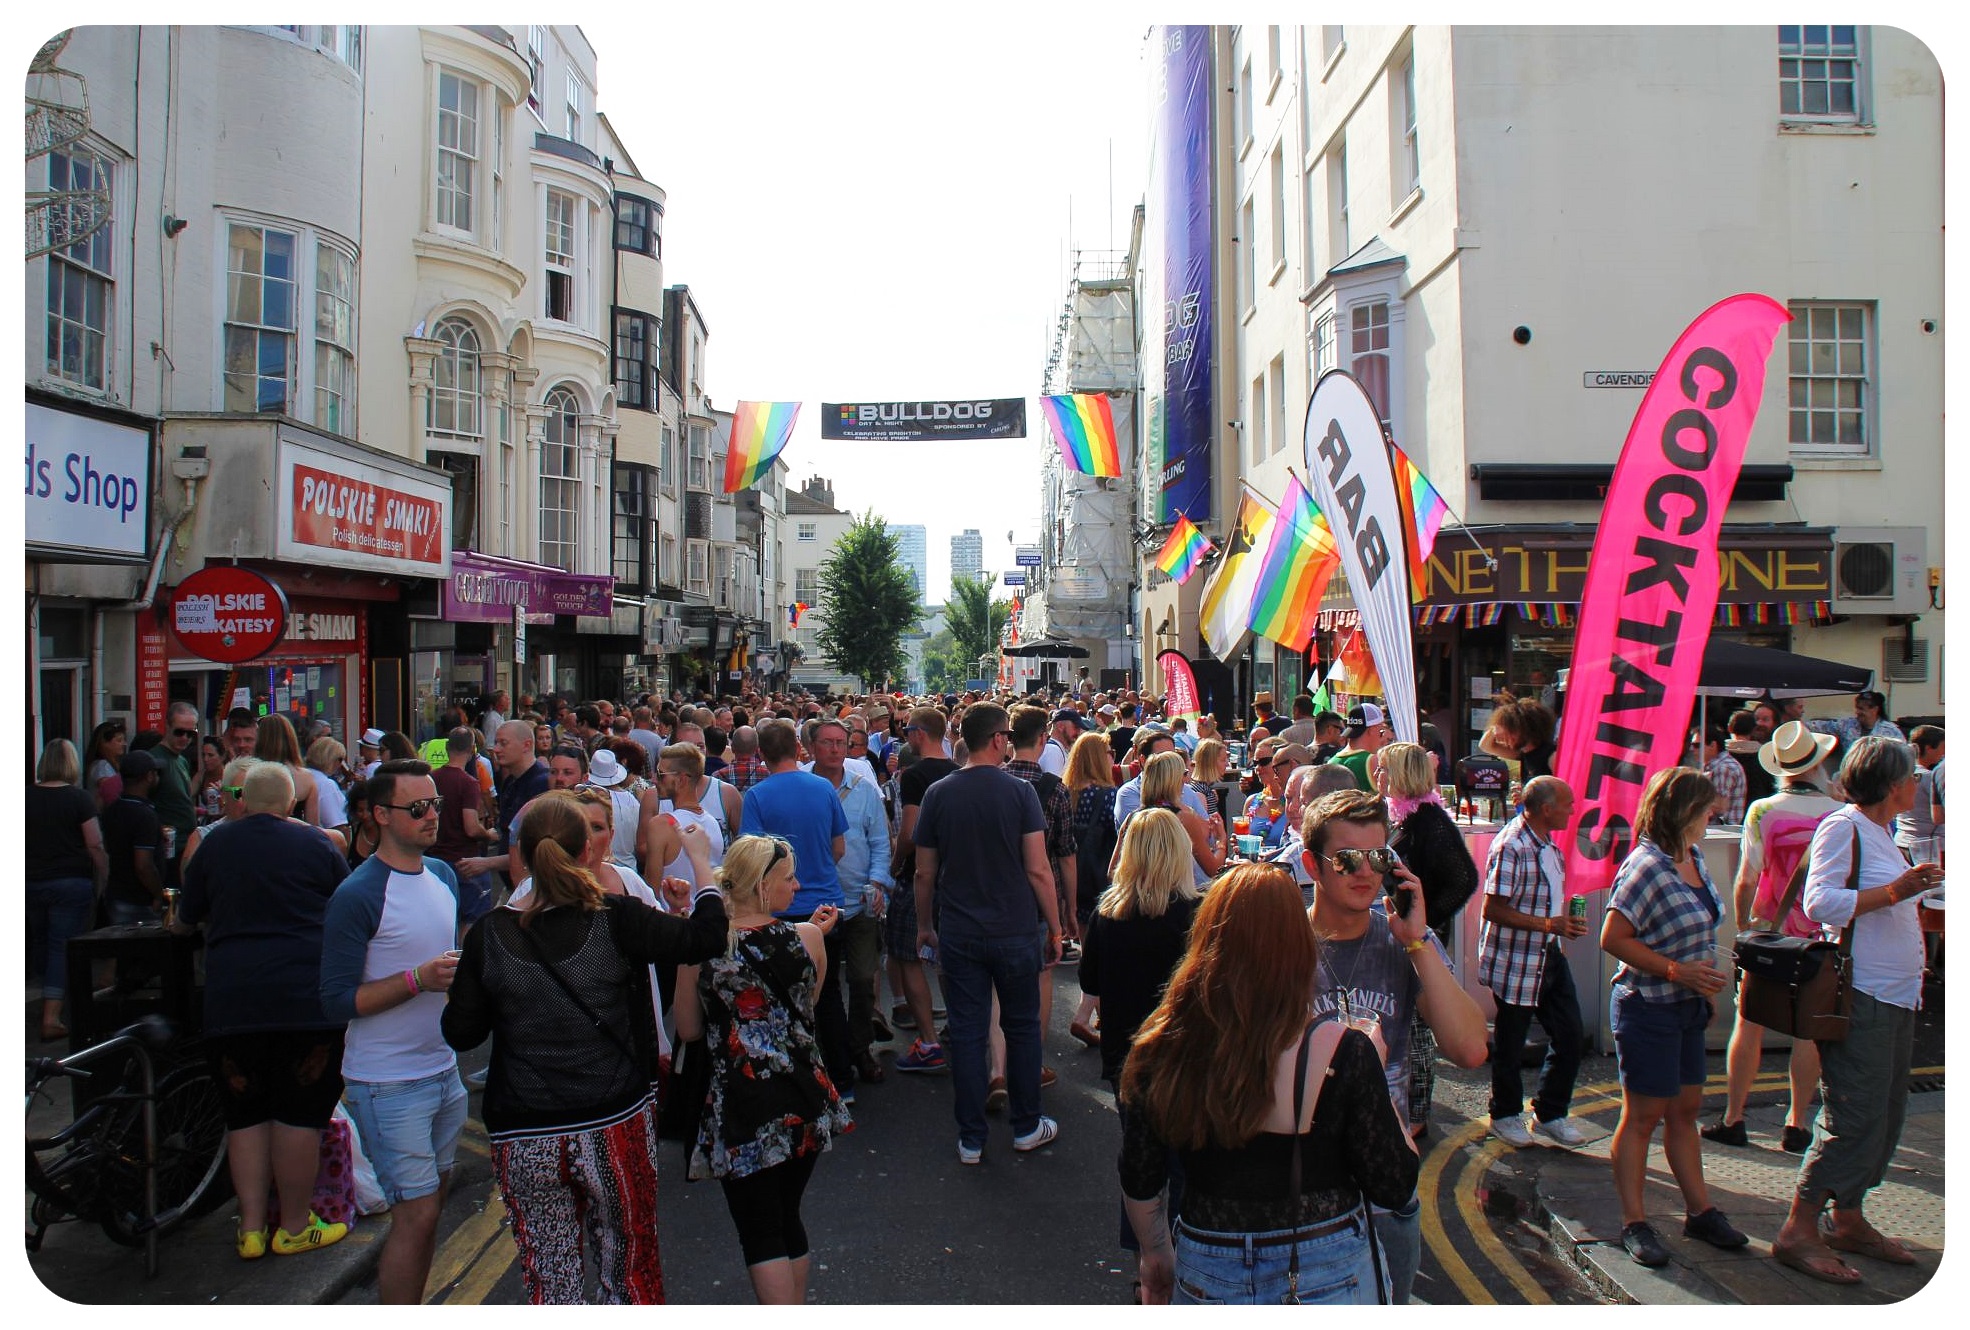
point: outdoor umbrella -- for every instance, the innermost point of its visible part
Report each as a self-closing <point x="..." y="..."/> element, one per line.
<point x="1046" y="647"/>
<point x="1732" y="669"/>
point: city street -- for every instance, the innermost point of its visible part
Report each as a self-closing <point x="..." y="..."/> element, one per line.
<point x="895" y="1219"/>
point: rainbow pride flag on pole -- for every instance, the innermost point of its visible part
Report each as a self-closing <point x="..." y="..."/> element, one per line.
<point x="1184" y="552"/>
<point x="1299" y="561"/>
<point x="759" y="431"/>
<point x="1084" y="427"/>
<point x="1423" y="509"/>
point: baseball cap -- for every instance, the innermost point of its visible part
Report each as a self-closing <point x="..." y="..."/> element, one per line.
<point x="1365" y="717"/>
<point x="1075" y="717"/>
<point x="136" y="765"/>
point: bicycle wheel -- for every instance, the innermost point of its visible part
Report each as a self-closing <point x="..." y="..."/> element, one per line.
<point x="191" y="1158"/>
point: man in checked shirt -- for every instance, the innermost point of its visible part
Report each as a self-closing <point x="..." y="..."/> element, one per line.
<point x="1520" y="961"/>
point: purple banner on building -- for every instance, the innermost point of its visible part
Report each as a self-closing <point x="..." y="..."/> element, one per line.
<point x="1178" y="346"/>
<point x="485" y="589"/>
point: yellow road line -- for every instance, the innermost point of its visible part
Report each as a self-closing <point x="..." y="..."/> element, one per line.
<point x="1500" y="1256"/>
<point x="498" y="1257"/>
<point x="466" y="1243"/>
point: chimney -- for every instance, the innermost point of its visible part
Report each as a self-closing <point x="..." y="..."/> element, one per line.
<point x="819" y="490"/>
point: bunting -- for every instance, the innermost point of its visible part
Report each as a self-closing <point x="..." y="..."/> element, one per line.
<point x="759" y="431"/>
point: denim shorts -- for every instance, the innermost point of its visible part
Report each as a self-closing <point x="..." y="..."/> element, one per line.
<point x="409" y="1130"/>
<point x="1338" y="1267"/>
<point x="1659" y="1045"/>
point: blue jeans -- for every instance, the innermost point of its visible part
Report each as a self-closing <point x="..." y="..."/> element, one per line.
<point x="1400" y="1232"/>
<point x="972" y="967"/>
<point x="59" y="908"/>
<point x="409" y="1130"/>
<point x="1337" y="1267"/>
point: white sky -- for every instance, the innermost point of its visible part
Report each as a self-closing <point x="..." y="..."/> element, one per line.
<point x="879" y="210"/>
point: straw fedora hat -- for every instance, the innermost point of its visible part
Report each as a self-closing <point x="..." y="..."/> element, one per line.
<point x="1794" y="750"/>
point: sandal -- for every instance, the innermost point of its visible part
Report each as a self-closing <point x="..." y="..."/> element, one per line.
<point x="1819" y="1264"/>
<point x="1872" y="1243"/>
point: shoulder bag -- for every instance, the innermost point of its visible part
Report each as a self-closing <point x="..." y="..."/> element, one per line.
<point x="1799" y="986"/>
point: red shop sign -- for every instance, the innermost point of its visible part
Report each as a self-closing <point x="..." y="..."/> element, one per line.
<point x="228" y="614"/>
<point x="343" y="513"/>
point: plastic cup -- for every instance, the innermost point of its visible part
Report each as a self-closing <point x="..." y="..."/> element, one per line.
<point x="1240" y="825"/>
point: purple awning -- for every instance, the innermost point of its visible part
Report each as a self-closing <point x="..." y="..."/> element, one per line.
<point x="486" y="589"/>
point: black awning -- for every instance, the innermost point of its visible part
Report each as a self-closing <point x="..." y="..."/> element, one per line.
<point x="1589" y="481"/>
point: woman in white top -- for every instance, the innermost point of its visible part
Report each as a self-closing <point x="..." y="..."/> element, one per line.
<point x="1863" y="1078"/>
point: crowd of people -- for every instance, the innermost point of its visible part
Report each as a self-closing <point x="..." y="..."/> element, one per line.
<point x="677" y="917"/>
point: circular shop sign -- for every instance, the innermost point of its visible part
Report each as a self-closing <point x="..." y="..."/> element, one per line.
<point x="228" y="614"/>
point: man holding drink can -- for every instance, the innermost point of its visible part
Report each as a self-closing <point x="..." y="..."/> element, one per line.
<point x="1526" y="917"/>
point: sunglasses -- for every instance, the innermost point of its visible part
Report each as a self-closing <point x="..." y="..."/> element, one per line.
<point x="420" y="807"/>
<point x="185" y="734"/>
<point x="233" y="791"/>
<point x="1351" y="861"/>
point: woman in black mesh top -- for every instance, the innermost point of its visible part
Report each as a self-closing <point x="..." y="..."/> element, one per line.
<point x="563" y="988"/>
<point x="1229" y="1071"/>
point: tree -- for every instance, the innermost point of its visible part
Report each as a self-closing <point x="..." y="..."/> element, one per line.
<point x="943" y="669"/>
<point x="869" y="601"/>
<point x="976" y="620"/>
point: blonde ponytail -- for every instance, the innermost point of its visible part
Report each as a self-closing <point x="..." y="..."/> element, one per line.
<point x="553" y="835"/>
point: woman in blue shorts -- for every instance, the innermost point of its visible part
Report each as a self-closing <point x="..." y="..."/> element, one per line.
<point x="1661" y="925"/>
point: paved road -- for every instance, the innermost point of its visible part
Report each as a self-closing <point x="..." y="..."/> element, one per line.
<point x="894" y="1218"/>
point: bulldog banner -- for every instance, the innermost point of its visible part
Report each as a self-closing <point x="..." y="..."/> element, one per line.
<point x="1651" y="589"/>
<point x="918" y="422"/>
<point x="1179" y="687"/>
<point x="1347" y="461"/>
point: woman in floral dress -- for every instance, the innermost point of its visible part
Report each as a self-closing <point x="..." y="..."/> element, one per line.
<point x="771" y="1110"/>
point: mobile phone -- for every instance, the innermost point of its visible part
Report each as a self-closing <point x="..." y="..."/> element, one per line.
<point x="927" y="954"/>
<point x="1401" y="895"/>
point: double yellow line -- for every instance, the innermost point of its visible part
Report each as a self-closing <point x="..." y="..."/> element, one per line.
<point x="1588" y="1099"/>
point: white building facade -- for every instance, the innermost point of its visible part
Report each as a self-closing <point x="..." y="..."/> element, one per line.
<point x="1500" y="231"/>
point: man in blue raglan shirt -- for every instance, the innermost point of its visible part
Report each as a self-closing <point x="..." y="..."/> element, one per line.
<point x="387" y="959"/>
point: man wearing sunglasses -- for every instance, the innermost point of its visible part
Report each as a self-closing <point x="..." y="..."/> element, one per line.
<point x="174" y="755"/>
<point x="1378" y="966"/>
<point x="387" y="960"/>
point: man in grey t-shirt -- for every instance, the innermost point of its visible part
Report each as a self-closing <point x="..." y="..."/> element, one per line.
<point x="1372" y="963"/>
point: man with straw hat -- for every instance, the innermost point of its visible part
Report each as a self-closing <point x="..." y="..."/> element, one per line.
<point x="1778" y="831"/>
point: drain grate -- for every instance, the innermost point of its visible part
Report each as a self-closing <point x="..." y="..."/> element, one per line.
<point x="1925" y="1084"/>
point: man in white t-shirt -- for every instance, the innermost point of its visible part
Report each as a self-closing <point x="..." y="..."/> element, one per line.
<point x="387" y="959"/>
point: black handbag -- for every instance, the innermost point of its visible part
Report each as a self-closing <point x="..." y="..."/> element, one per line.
<point x="1799" y="986"/>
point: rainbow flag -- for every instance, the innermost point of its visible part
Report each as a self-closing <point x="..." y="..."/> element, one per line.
<point x="1084" y="427"/>
<point x="759" y="431"/>
<point x="1423" y="509"/>
<point x="1299" y="561"/>
<point x="1183" y="553"/>
<point x="794" y="611"/>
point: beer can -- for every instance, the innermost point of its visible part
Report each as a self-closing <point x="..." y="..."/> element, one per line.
<point x="1576" y="908"/>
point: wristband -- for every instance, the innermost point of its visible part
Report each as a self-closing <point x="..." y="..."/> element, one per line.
<point x="1546" y="926"/>
<point x="1670" y="973"/>
<point x="1411" y="948"/>
<point x="410" y="982"/>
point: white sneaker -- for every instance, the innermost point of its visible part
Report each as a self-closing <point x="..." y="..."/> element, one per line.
<point x="967" y="1155"/>
<point x="1043" y="1134"/>
<point x="477" y="1079"/>
<point x="1561" y="1131"/>
<point x="1511" y="1131"/>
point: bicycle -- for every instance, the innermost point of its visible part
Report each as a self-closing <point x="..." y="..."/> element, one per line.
<point x="140" y="1159"/>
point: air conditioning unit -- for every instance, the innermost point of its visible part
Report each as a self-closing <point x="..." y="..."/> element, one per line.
<point x="1900" y="663"/>
<point x="1880" y="570"/>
